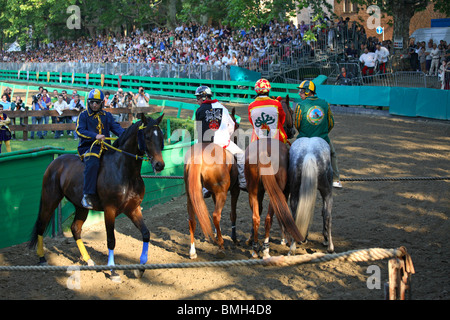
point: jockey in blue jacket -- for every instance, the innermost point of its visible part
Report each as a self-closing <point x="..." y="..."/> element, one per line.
<point x="93" y="124"/>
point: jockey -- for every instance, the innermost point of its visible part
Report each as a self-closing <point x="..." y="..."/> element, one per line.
<point x="93" y="124"/>
<point x="313" y="118"/>
<point x="266" y="115"/>
<point x="214" y="124"/>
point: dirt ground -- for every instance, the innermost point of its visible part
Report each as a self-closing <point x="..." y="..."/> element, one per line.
<point x="385" y="214"/>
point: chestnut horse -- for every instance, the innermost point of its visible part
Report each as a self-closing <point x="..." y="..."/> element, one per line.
<point x="266" y="165"/>
<point x="213" y="167"/>
<point x="120" y="188"/>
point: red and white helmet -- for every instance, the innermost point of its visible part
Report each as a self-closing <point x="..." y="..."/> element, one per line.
<point x="262" y="86"/>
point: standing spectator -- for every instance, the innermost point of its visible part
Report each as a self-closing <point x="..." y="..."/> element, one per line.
<point x="5" y="103"/>
<point x="435" y="55"/>
<point x="7" y="92"/>
<point x="413" y="55"/>
<point x="48" y="103"/>
<point x="5" y="133"/>
<point x="368" y="60"/>
<point x="382" y="55"/>
<point x="60" y="105"/>
<point x="17" y="105"/>
<point x="76" y="104"/>
<point x="142" y="98"/>
<point x="422" y="58"/>
<point x="38" y="105"/>
<point x="428" y="55"/>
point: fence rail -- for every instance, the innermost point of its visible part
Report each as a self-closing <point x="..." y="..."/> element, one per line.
<point x="25" y="127"/>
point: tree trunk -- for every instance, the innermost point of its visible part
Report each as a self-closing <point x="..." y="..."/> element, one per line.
<point x="402" y="15"/>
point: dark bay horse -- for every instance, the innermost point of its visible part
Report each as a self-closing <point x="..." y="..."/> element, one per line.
<point x="213" y="167"/>
<point x="310" y="170"/>
<point x="266" y="164"/>
<point x="120" y="188"/>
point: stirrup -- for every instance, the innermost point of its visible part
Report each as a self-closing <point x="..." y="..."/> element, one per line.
<point x="86" y="202"/>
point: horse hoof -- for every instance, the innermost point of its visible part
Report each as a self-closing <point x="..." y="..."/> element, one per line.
<point x="220" y="254"/>
<point x="90" y="263"/>
<point x="115" y="278"/>
<point x="138" y="273"/>
<point x="42" y="262"/>
<point x="254" y="255"/>
<point x="266" y="255"/>
<point x="193" y="256"/>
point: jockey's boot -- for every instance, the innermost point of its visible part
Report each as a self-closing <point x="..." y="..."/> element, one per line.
<point x="240" y="157"/>
<point x="87" y="202"/>
<point x="206" y="193"/>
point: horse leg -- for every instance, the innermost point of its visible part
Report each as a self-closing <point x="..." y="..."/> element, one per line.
<point x="255" y="207"/>
<point x="192" y="225"/>
<point x="80" y="217"/>
<point x="137" y="219"/>
<point x="219" y="200"/>
<point x="49" y="202"/>
<point x="326" y="215"/>
<point x="234" y="198"/>
<point x="110" y="219"/>
<point x="268" y="225"/>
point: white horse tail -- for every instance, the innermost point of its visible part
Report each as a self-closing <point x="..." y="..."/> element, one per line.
<point x="308" y="193"/>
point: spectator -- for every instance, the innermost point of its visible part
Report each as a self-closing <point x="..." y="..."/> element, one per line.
<point x="60" y="105"/>
<point x="422" y="58"/>
<point x="7" y="92"/>
<point x="428" y="55"/>
<point x="5" y="133"/>
<point x="76" y="104"/>
<point x="142" y="98"/>
<point x="435" y="55"/>
<point x="108" y="99"/>
<point x="48" y="103"/>
<point x="344" y="78"/>
<point x="351" y="52"/>
<point x="38" y="104"/>
<point x="5" y="103"/>
<point x="17" y="105"/>
<point x="368" y="60"/>
<point x="382" y="55"/>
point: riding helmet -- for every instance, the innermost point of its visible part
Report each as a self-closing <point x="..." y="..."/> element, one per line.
<point x="308" y="86"/>
<point x="204" y="92"/>
<point x="262" y="86"/>
<point x="96" y="95"/>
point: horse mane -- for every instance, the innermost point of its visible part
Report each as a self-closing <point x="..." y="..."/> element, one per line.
<point x="126" y="134"/>
<point x="132" y="130"/>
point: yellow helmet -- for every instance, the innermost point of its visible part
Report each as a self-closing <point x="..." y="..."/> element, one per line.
<point x="308" y="86"/>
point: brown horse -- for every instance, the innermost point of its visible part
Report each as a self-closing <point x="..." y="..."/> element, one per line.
<point x="120" y="187"/>
<point x="266" y="165"/>
<point x="213" y="167"/>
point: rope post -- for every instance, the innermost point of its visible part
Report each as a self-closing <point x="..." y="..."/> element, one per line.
<point x="400" y="271"/>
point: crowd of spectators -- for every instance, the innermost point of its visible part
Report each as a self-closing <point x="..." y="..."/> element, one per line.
<point x="196" y="44"/>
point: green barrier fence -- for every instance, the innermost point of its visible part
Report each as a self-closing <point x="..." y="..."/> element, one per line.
<point x="429" y="103"/>
<point x="21" y="184"/>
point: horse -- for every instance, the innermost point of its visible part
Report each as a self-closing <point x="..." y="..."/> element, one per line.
<point x="120" y="187"/>
<point x="266" y="164"/>
<point x="310" y="170"/>
<point x="213" y="167"/>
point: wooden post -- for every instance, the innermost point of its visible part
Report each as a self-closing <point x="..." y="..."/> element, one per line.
<point x="394" y="277"/>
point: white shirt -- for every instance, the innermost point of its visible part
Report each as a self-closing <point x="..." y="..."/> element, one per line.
<point x="368" y="59"/>
<point x="60" y="107"/>
<point x="382" y="54"/>
<point x="223" y="134"/>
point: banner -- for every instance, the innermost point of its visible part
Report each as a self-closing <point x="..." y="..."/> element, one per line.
<point x="102" y="80"/>
<point x="119" y="81"/>
<point x="37" y="75"/>
<point x="87" y="79"/>
<point x="48" y="76"/>
<point x="242" y="74"/>
<point x="73" y="78"/>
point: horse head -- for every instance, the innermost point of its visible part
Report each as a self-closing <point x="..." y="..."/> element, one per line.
<point x="151" y="141"/>
<point x="289" y="121"/>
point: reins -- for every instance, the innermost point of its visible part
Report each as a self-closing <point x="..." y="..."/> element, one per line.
<point x="105" y="146"/>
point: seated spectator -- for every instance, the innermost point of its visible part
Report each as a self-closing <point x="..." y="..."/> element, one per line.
<point x="344" y="78"/>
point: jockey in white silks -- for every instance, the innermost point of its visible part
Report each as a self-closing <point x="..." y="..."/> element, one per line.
<point x="214" y="124"/>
